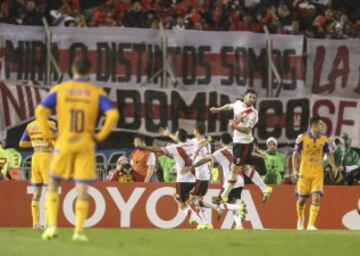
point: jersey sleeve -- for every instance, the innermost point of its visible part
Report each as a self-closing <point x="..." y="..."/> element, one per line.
<point x="105" y="103"/>
<point x="49" y="101"/>
<point x="25" y="136"/>
<point x="169" y="150"/>
<point x="151" y="161"/>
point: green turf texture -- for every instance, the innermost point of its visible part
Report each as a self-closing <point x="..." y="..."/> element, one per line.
<point x="176" y="242"/>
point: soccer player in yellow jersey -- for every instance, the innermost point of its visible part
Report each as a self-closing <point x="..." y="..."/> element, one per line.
<point x="33" y="137"/>
<point x="309" y="149"/>
<point x="77" y="103"/>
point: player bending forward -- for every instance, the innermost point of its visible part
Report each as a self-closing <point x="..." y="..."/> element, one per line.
<point x="77" y="103"/>
<point x="245" y="119"/>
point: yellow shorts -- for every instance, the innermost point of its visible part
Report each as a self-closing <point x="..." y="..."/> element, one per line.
<point x="310" y="184"/>
<point x="79" y="166"/>
<point x="40" y="163"/>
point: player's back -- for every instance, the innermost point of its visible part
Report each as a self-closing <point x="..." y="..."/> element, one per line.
<point x="37" y="136"/>
<point x="77" y="106"/>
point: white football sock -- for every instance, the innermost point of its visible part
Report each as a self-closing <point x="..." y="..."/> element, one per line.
<point x="255" y="177"/>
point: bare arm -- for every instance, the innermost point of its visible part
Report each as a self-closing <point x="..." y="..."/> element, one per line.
<point x="197" y="164"/>
<point x="166" y="132"/>
<point x="154" y="149"/>
<point x="295" y="162"/>
<point x="246" y="130"/>
<point x="226" y="107"/>
<point x="334" y="168"/>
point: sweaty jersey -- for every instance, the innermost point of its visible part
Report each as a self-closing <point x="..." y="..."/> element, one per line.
<point x="244" y="117"/>
<point x="77" y="104"/>
<point x="224" y="158"/>
<point x="202" y="172"/>
<point x="312" y="151"/>
<point x="183" y="154"/>
<point x="34" y="134"/>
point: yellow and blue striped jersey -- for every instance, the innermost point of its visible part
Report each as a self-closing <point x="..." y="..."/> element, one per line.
<point x="312" y="150"/>
<point x="78" y="104"/>
<point x="34" y="135"/>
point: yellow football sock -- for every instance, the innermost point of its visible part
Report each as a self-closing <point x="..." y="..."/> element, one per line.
<point x="300" y="210"/>
<point x="52" y="206"/>
<point x="314" y="210"/>
<point x="81" y="211"/>
<point x="35" y="211"/>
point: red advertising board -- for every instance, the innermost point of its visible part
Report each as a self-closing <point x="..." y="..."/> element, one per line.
<point x="141" y="205"/>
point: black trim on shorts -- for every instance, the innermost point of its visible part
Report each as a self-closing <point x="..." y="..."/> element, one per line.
<point x="183" y="190"/>
<point x="242" y="153"/>
<point x="200" y="188"/>
<point x="235" y="194"/>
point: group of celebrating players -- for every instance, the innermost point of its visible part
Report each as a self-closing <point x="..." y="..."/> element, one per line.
<point x="69" y="153"/>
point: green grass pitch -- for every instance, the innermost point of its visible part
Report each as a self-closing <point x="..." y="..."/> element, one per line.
<point x="176" y="242"/>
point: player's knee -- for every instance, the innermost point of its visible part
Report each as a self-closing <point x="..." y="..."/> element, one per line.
<point x="301" y="201"/>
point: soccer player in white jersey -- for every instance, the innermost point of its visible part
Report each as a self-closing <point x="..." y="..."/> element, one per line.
<point x="224" y="158"/>
<point x="183" y="153"/>
<point x="244" y="121"/>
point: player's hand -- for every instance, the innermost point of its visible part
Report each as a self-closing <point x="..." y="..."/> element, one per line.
<point x="232" y="124"/>
<point x="164" y="131"/>
<point x="296" y="175"/>
<point x="214" y="110"/>
<point x="335" y="170"/>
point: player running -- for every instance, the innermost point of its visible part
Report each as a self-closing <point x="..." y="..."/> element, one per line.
<point x="33" y="137"/>
<point x="245" y="119"/>
<point x="310" y="147"/>
<point x="78" y="104"/>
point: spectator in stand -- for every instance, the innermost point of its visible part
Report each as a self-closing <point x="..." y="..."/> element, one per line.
<point x="274" y="162"/>
<point x="143" y="162"/>
<point x="135" y="17"/>
<point x="122" y="172"/>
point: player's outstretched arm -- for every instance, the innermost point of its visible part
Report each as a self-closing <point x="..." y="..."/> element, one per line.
<point x="197" y="164"/>
<point x="226" y="107"/>
<point x="111" y="117"/>
<point x="154" y="149"/>
<point x="295" y="163"/>
<point x="166" y="132"/>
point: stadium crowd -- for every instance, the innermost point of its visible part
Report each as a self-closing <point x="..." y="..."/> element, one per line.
<point x="314" y="18"/>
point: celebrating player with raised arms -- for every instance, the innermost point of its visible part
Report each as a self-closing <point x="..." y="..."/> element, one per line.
<point x="245" y="119"/>
<point x="77" y="103"/>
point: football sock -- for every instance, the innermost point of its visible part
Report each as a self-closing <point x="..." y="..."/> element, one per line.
<point x="35" y="211"/>
<point x="195" y="216"/>
<point x="230" y="207"/>
<point x="255" y="177"/>
<point x="314" y="210"/>
<point x="300" y="210"/>
<point x="237" y="218"/>
<point x="52" y="206"/>
<point x="81" y="212"/>
<point x="203" y="216"/>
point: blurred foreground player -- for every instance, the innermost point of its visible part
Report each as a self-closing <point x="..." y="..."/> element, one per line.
<point x="77" y="103"/>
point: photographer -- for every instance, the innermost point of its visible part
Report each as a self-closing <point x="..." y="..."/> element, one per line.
<point x="123" y="171"/>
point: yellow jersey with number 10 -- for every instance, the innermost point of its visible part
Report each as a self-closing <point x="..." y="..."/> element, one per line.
<point x="312" y="150"/>
<point x="77" y="104"/>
